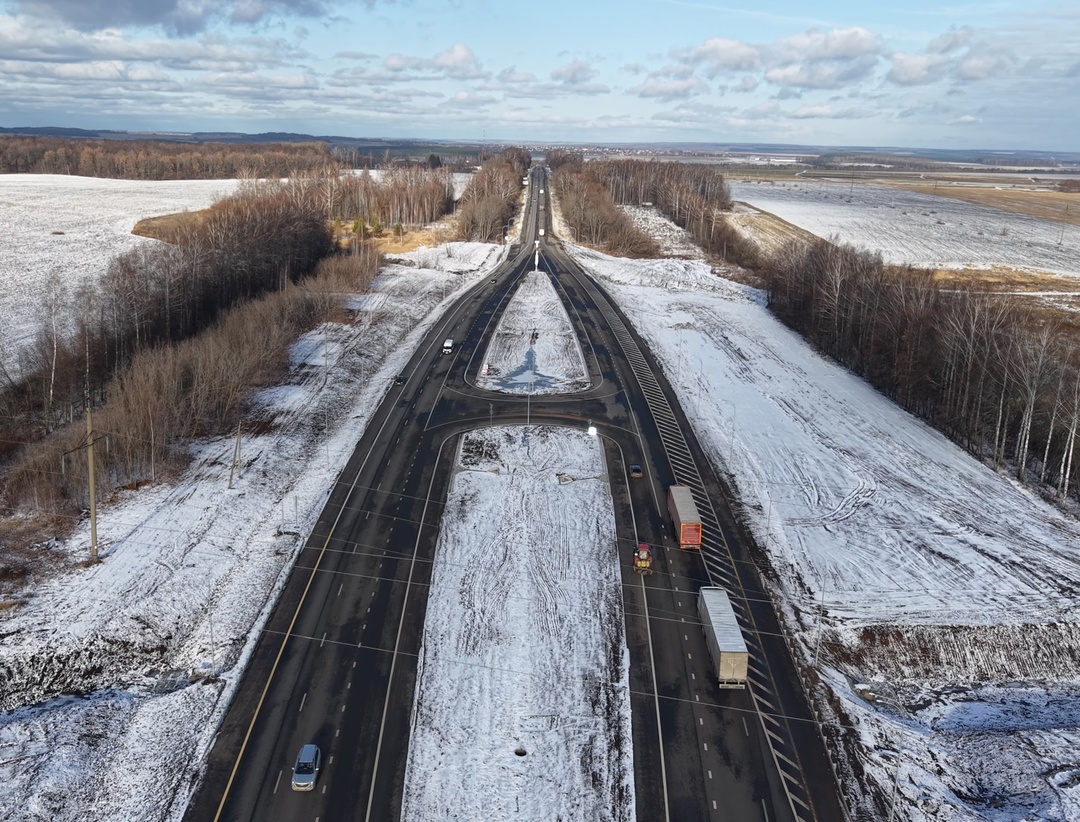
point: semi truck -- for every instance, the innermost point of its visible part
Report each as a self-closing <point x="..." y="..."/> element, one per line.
<point x="727" y="649"/>
<point x="684" y="516"/>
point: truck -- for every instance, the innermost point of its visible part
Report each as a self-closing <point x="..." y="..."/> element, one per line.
<point x="643" y="559"/>
<point x="684" y="516"/>
<point x="727" y="649"/>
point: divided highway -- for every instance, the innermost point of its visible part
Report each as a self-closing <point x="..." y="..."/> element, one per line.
<point x="336" y="662"/>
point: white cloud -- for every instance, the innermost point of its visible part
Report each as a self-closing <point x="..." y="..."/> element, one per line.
<point x="965" y="120"/>
<point x="675" y="89"/>
<point x="916" y="69"/>
<point x="574" y="73"/>
<point x="457" y="62"/>
<point x="828" y="74"/>
<point x="983" y="64"/>
<point x="838" y="44"/>
<point x="720" y="55"/>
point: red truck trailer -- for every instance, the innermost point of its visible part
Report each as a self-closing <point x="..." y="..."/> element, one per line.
<point x="684" y="516"/>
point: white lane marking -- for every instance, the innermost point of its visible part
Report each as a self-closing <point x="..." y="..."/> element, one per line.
<point x="323" y="641"/>
<point x="277" y="781"/>
<point x="744" y="726"/>
<point x="342" y="584"/>
<point x="303" y="699"/>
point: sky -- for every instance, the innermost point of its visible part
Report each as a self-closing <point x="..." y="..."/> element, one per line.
<point x="993" y="75"/>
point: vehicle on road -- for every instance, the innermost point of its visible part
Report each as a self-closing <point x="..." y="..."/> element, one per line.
<point x="401" y="379"/>
<point x="643" y="559"/>
<point x="727" y="648"/>
<point x="635" y="470"/>
<point x="306" y="770"/>
<point x="448" y="346"/>
<point x="684" y="516"/>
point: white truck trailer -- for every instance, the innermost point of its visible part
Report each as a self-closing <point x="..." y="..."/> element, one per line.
<point x="723" y="636"/>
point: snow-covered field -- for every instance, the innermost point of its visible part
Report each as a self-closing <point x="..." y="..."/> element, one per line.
<point x="523" y="696"/>
<point x="916" y="228"/>
<point x="949" y="587"/>
<point x="61" y="232"/>
<point x="189" y="570"/>
<point x="534" y="349"/>
<point x="930" y="576"/>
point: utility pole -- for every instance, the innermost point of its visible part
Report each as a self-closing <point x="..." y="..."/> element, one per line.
<point x="93" y="493"/>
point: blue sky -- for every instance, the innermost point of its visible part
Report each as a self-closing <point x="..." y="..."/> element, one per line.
<point x="1002" y="75"/>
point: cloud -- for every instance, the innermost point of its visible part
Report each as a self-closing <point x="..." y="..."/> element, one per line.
<point x="469" y="99"/>
<point x="512" y="75"/>
<point x="838" y="44"/>
<point x="175" y="16"/>
<point x="719" y="55"/>
<point x="457" y="62"/>
<point x="965" y="120"/>
<point x="951" y="40"/>
<point x="916" y="69"/>
<point x="666" y="90"/>
<point x="574" y="73"/>
<point x="827" y="74"/>
<point x="983" y="63"/>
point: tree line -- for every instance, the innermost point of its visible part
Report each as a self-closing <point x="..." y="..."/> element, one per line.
<point x="694" y="196"/>
<point x="168" y="343"/>
<point x="490" y="200"/>
<point x="997" y="374"/>
<point x="586" y="205"/>
<point x="158" y="160"/>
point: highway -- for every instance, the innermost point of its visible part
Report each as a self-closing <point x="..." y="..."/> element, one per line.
<point x="336" y="662"/>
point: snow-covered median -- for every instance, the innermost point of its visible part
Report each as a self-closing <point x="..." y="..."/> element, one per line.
<point x="534" y="350"/>
<point x="523" y="704"/>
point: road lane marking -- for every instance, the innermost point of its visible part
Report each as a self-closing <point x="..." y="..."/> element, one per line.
<point x="323" y="640"/>
<point x="303" y="699"/>
<point x="342" y="584"/>
<point x="745" y="728"/>
<point x="277" y="781"/>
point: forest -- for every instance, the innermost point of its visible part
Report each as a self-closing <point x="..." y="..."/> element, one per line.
<point x="998" y="374"/>
<point x="168" y="345"/>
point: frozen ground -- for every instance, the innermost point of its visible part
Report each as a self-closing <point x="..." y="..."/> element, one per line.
<point x="534" y="349"/>
<point x="920" y="229"/>
<point x="155" y="636"/>
<point x="946" y="585"/>
<point x="961" y="577"/>
<point x="522" y="705"/>
<point x="61" y="232"/>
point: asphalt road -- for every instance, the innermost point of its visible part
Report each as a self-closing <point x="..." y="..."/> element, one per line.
<point x="336" y="663"/>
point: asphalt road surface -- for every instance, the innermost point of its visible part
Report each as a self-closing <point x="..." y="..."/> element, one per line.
<point x="336" y="662"/>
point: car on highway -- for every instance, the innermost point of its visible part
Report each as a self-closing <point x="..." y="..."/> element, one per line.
<point x="400" y="379"/>
<point x="635" y="470"/>
<point x="306" y="770"/>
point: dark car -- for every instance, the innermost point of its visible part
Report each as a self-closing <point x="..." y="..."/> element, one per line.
<point x="400" y="379"/>
<point x="635" y="470"/>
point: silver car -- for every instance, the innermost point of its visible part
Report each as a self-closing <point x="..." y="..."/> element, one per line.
<point x="306" y="769"/>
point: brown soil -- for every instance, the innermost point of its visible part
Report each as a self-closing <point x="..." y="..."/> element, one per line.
<point x="167" y="226"/>
<point x="1042" y="203"/>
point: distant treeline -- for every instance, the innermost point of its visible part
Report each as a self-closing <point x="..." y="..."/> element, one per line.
<point x="691" y="195"/>
<point x="490" y="200"/>
<point x="149" y="160"/>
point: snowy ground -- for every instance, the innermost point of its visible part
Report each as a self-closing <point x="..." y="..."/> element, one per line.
<point x="534" y="350"/>
<point x="523" y="705"/>
<point x="188" y="570"/>
<point x="67" y="229"/>
<point x="937" y="578"/>
<point x="916" y="228"/>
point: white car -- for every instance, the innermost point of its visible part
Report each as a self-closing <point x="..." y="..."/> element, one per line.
<point x="306" y="769"/>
